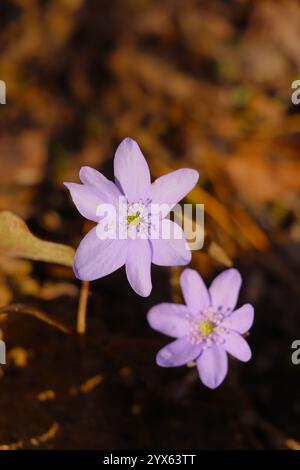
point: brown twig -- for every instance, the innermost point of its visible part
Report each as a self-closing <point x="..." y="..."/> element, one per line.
<point x="82" y="307"/>
<point x="22" y="308"/>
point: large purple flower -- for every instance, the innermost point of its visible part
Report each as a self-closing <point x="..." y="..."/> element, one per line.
<point x="206" y="328"/>
<point x="96" y="257"/>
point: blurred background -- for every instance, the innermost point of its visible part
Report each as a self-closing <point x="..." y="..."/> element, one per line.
<point x="202" y="84"/>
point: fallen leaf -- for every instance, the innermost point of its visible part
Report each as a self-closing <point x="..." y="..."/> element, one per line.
<point x="16" y="240"/>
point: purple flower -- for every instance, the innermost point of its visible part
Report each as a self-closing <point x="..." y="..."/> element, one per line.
<point x="97" y="257"/>
<point x="206" y="328"/>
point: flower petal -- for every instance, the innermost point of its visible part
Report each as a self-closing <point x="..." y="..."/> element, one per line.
<point x="178" y="353"/>
<point x="237" y="346"/>
<point x="169" y="319"/>
<point x="105" y="188"/>
<point x="131" y="170"/>
<point x="213" y="366"/>
<point x="171" y="248"/>
<point x="171" y="188"/>
<point x="225" y="288"/>
<point x="85" y="200"/>
<point x="241" y="319"/>
<point x="138" y="266"/>
<point x="96" y="258"/>
<point x="194" y="290"/>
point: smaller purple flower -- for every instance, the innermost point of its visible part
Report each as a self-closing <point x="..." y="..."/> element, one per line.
<point x="207" y="327"/>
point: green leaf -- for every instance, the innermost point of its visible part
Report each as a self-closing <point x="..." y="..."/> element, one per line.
<point x="17" y="241"/>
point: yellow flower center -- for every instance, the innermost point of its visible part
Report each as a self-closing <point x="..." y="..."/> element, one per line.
<point x="133" y="218"/>
<point x="206" y="327"/>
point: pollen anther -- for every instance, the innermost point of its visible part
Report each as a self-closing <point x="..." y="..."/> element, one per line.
<point x="206" y="327"/>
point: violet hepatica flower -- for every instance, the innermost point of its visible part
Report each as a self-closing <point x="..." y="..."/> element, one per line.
<point x="96" y="257"/>
<point x="207" y="327"/>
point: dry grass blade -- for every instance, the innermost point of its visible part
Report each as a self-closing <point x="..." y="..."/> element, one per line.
<point x="217" y="253"/>
<point x="292" y="444"/>
<point x="242" y="228"/>
<point x="21" y="308"/>
<point x="34" y="441"/>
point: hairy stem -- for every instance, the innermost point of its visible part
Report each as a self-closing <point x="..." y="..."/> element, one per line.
<point x="82" y="307"/>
